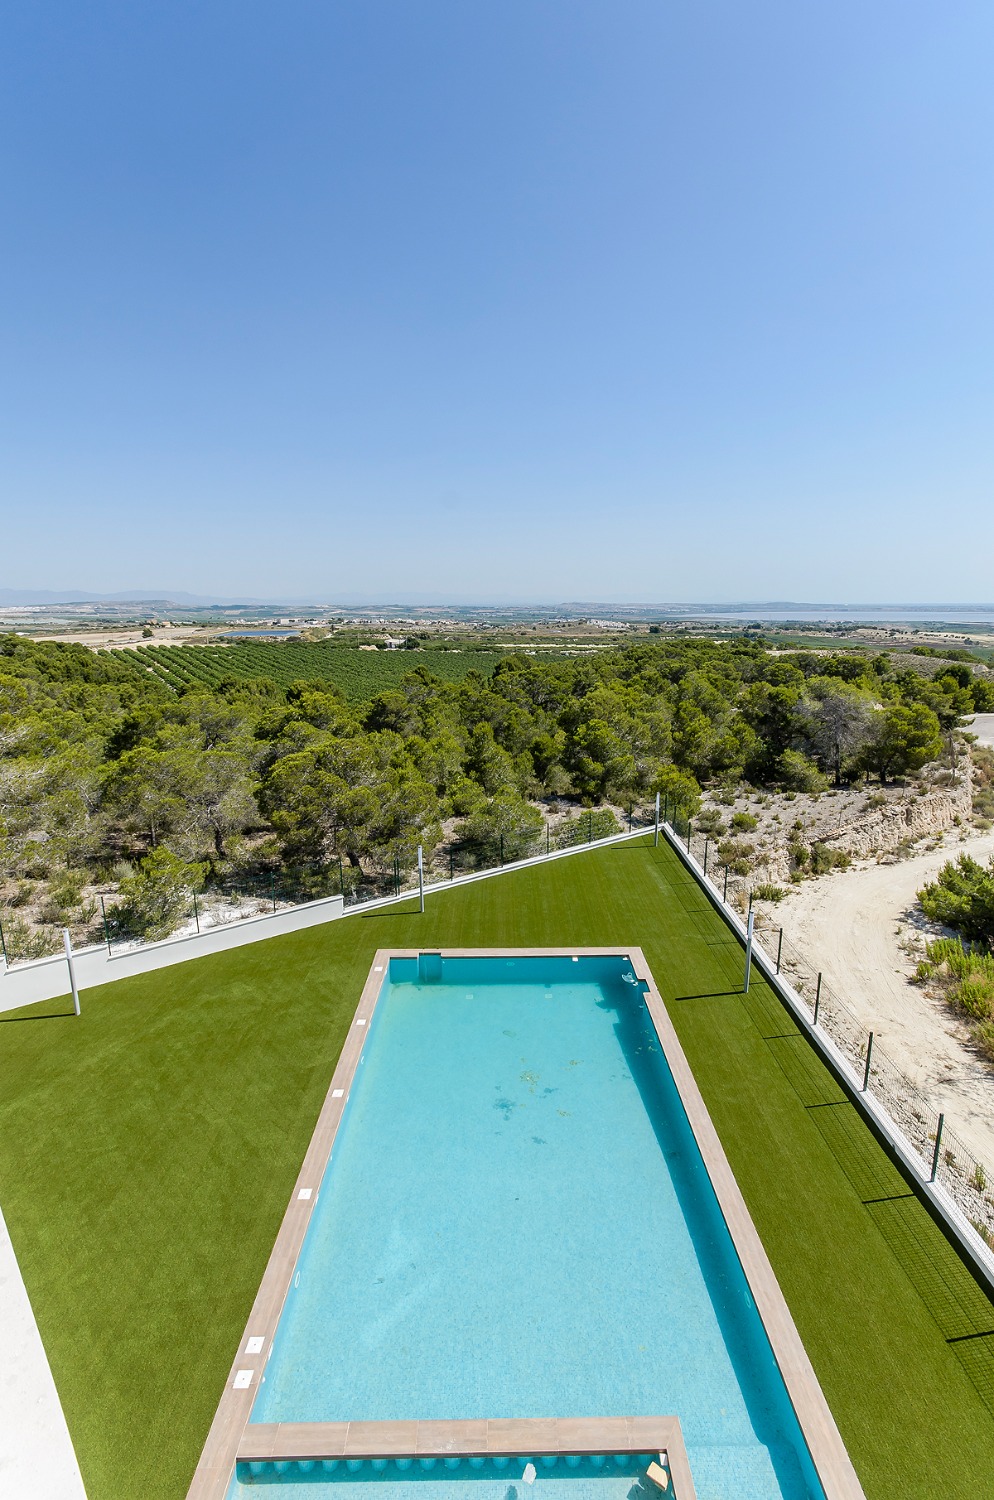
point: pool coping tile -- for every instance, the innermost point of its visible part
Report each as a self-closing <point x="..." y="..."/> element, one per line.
<point x="521" y="1437"/>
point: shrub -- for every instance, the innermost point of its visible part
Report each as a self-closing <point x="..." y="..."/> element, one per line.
<point x="709" y="822"/>
<point x="798" y="854"/>
<point x="984" y="1035"/>
<point x="24" y="942"/>
<point x="976" y="997"/>
<point x="63" y="905"/>
<point x="157" y="895"/>
<point x="962" y="896"/>
<point x="800" y="774"/>
<point x="983" y="792"/>
<point x="824" y="858"/>
<point x="506" y="823"/>
<point x="600" y="823"/>
<point x="735" y="849"/>
<point x="744" y="822"/>
<point x="967" y="979"/>
<point x="766" y="891"/>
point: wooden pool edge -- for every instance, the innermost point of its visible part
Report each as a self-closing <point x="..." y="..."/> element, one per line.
<point x="232" y="1435"/>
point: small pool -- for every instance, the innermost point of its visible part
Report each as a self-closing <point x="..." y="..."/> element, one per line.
<point x="611" y="1476"/>
<point x="517" y="1222"/>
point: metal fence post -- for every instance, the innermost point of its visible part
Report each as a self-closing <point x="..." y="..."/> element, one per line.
<point x="590" y="826"/>
<point x="3" y="948"/>
<point x="272" y="882"/>
<point x="548" y="838"/>
<point x="103" y="913"/>
<point x="655" y="840"/>
<point x="196" y="913"/>
<point x="779" y="950"/>
<point x="67" y="940"/>
<point x="689" y="829"/>
<point x="724" y="894"/>
<point x="452" y="866"/>
<point x="502" y="851"/>
<point x="818" y="1001"/>
<point x="869" y="1054"/>
<point x="421" y="877"/>
<point x="706" y="842"/>
<point x="341" y="879"/>
<point x="938" y="1143"/>
<point x="748" y="969"/>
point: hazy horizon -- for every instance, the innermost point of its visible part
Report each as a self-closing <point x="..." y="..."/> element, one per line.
<point x="794" y="608"/>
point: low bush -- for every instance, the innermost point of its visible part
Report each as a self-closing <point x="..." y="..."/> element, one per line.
<point x="600" y="823"/>
<point x="731" y="851"/>
<point x="824" y="858"/>
<point x="157" y="895"/>
<point x="710" y="823"/>
<point x="962" y="897"/>
<point x="798" y="773"/>
<point x="983" y="784"/>
<point x="976" y="997"/>
<point x="744" y="822"/>
<point x="766" y="891"/>
<point x="23" y="942"/>
<point x="966" y="978"/>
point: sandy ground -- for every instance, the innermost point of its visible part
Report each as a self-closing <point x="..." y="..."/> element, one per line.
<point x="131" y="635"/>
<point x="852" y="926"/>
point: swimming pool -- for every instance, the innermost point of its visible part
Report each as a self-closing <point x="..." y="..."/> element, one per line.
<point x="517" y="1222"/>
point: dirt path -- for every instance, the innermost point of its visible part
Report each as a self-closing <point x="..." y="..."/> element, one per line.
<point x="982" y="725"/>
<point x="851" y="926"/>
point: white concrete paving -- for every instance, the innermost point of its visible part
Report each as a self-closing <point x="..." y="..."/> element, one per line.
<point x="37" y="1461"/>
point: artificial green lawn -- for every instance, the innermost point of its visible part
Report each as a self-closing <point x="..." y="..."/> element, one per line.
<point x="148" y="1150"/>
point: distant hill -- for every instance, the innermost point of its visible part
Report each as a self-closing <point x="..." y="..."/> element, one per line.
<point x="132" y="596"/>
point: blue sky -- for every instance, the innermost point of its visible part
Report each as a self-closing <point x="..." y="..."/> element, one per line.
<point x="498" y="299"/>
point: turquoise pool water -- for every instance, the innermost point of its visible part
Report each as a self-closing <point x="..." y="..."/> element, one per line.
<point x="517" y="1222"/>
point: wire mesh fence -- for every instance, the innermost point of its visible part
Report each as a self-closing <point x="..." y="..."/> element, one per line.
<point x="943" y="1157"/>
<point x="238" y="895"/>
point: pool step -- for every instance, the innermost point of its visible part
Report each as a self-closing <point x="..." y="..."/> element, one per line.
<point x="742" y="1470"/>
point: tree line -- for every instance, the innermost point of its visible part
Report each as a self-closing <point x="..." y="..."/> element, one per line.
<point x="106" y="773"/>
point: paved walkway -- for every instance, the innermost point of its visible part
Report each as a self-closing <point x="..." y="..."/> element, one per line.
<point x="37" y="1461"/>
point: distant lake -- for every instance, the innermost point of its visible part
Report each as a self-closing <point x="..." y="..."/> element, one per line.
<point x="867" y="614"/>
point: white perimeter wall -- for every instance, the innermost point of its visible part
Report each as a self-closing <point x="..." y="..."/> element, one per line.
<point x="47" y="978"/>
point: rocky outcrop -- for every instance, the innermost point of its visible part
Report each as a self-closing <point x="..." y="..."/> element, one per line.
<point x="915" y="816"/>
